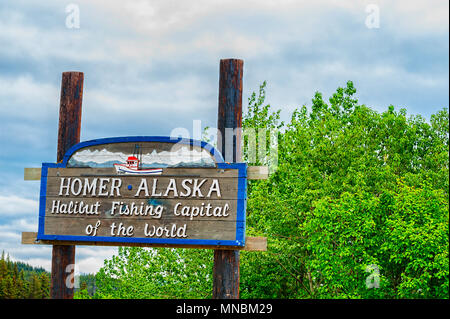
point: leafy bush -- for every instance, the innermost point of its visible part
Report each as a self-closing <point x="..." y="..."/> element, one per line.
<point x="357" y="208"/>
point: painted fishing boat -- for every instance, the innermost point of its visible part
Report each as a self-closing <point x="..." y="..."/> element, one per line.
<point x="133" y="167"/>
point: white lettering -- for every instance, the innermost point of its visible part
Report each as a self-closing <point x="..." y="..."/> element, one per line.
<point x="171" y="187"/>
<point x="75" y="191"/>
<point x="155" y="181"/>
<point x="102" y="188"/>
<point x="62" y="186"/>
<point x="116" y="183"/>
<point x="142" y="187"/>
<point x="89" y="188"/>
<point x="197" y="188"/>
<point x="215" y="187"/>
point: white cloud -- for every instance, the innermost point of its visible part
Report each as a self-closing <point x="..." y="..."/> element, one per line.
<point x="414" y="17"/>
<point x="12" y="205"/>
<point x="158" y="61"/>
<point x="8" y="235"/>
<point x="36" y="99"/>
<point x="160" y="17"/>
<point x="91" y="265"/>
<point x="16" y="226"/>
<point x="90" y="259"/>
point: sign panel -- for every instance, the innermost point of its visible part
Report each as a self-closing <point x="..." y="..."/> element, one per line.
<point x="157" y="190"/>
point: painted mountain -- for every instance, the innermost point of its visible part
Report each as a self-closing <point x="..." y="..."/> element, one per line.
<point x="183" y="157"/>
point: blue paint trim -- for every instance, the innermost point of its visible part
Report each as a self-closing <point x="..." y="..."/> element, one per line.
<point x="241" y="167"/>
<point x="241" y="201"/>
<point x="43" y="192"/>
<point x="144" y="240"/>
<point x="163" y="139"/>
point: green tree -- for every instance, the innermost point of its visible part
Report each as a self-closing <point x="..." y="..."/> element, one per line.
<point x="320" y="208"/>
<point x="83" y="293"/>
<point x="155" y="273"/>
<point x="35" y="287"/>
<point x="356" y="208"/>
<point x="44" y="279"/>
<point x="22" y="286"/>
<point x="19" y="280"/>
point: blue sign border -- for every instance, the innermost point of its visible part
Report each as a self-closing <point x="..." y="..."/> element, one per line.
<point x="241" y="201"/>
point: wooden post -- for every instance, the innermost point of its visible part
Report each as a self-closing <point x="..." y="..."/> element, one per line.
<point x="229" y="125"/>
<point x="68" y="135"/>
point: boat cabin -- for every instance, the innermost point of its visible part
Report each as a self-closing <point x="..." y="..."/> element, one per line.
<point x="132" y="162"/>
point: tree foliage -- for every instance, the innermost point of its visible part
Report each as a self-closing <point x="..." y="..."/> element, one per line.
<point x="22" y="281"/>
<point x="157" y="273"/>
<point x="353" y="188"/>
<point x="356" y="208"/>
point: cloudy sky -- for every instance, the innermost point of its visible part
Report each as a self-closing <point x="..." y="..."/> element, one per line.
<point x="152" y="66"/>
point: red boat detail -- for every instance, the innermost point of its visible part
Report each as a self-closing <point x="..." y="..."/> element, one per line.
<point x="132" y="167"/>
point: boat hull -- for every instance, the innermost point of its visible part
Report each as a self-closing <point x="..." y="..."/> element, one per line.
<point x="124" y="170"/>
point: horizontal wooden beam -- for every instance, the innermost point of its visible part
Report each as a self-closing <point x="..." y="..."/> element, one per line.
<point x="251" y="243"/>
<point x="253" y="172"/>
<point x="257" y="172"/>
<point x="31" y="173"/>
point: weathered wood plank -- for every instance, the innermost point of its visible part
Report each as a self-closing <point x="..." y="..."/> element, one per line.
<point x="69" y="127"/>
<point x="256" y="244"/>
<point x="253" y="172"/>
<point x="229" y="120"/>
<point x="74" y="203"/>
<point x="149" y="208"/>
<point x="31" y="174"/>
<point x="251" y="243"/>
<point x="129" y="185"/>
<point x="167" y="172"/>
<point x="189" y="229"/>
<point x="29" y="238"/>
<point x="257" y="172"/>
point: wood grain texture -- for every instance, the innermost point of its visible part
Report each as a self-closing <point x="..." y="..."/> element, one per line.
<point x="34" y="173"/>
<point x="167" y="172"/>
<point x="226" y="262"/>
<point x="251" y="243"/>
<point x="63" y="220"/>
<point x="70" y="112"/>
<point x="31" y="174"/>
<point x="226" y="274"/>
<point x="212" y="230"/>
<point x="230" y="108"/>
<point x="228" y="186"/>
<point x="169" y="205"/>
<point x="257" y="172"/>
<point x="29" y="238"/>
<point x="63" y="261"/>
<point x="68" y="135"/>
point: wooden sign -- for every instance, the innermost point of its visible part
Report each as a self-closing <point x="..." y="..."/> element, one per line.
<point x="158" y="190"/>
